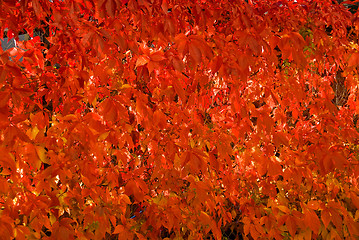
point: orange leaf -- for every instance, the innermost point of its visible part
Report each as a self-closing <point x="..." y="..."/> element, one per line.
<point x="125" y="199"/>
<point x="313" y="205"/>
<point x="6" y="161"/>
<point x="308" y="234"/>
<point x="41" y="153"/>
<point x="142" y="60"/>
<point x="204" y="218"/>
<point x="159" y="118"/>
<point x="275" y="168"/>
<point x="4" y="185"/>
<point x="157" y="56"/>
<point x="284" y="209"/>
<point x="131" y="188"/>
<point x="31" y="156"/>
<point x="353" y="60"/>
<point x="178" y="64"/>
<point x="151" y="66"/>
<point x="254" y="233"/>
<point x="291" y="225"/>
<point x="118" y="229"/>
<point x="62" y="232"/>
<point x="335" y="217"/>
<point x="355" y="199"/>
<point x="262" y="168"/>
<point x="353" y="226"/>
<point x="312" y="221"/>
<point x="216" y="64"/>
<point x="113" y="220"/>
<point x="179" y="89"/>
<point x="185" y="158"/>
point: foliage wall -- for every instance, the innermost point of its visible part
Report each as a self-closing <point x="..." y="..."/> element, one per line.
<point x="153" y="119"/>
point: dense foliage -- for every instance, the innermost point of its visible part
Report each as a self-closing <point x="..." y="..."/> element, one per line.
<point x="150" y="119"/>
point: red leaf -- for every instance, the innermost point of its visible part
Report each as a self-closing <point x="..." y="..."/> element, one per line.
<point x="164" y="6"/>
<point x="178" y="64"/>
<point x="4" y="98"/>
<point x="274" y="168"/>
<point x="111" y="7"/>
<point x="157" y="56"/>
<point x="195" y="53"/>
<point x="6" y="160"/>
<point x="37" y="8"/>
<point x="216" y="63"/>
<point x="179" y="89"/>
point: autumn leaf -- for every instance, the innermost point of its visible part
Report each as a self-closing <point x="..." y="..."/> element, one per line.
<point x="353" y="60"/>
<point x="142" y="60"/>
<point x="195" y="52"/>
<point x="291" y="225"/>
<point x="312" y="221"/>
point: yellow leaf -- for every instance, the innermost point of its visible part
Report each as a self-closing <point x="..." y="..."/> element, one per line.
<point x="103" y="136"/>
<point x="234" y="214"/>
<point x="52" y="219"/>
<point x="69" y="117"/>
<point x="125" y="86"/>
<point x="32" y="133"/>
